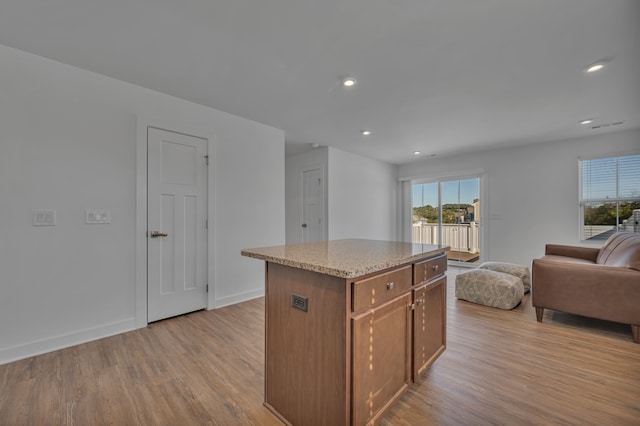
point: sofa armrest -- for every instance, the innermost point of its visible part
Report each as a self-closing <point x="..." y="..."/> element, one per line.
<point x="586" y="253"/>
<point x="599" y="291"/>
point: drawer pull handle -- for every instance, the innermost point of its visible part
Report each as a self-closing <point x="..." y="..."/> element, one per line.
<point x="390" y="286"/>
<point x="435" y="267"/>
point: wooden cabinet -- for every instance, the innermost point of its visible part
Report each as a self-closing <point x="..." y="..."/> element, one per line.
<point x="398" y="331"/>
<point x="429" y="326"/>
<point x="381" y="358"/>
<point x="381" y="342"/>
<point x="429" y="313"/>
<point x="307" y="358"/>
<point x="341" y="351"/>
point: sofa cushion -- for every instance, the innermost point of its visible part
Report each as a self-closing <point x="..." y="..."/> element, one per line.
<point x="622" y="249"/>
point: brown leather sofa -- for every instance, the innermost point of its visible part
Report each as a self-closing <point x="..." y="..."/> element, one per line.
<point x="599" y="283"/>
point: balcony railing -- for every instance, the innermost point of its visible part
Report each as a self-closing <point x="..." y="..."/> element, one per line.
<point x="462" y="237"/>
<point x="602" y="232"/>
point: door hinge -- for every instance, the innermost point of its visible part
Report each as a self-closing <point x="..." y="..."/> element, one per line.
<point x="206" y="224"/>
<point x="206" y="157"/>
<point x="207" y="286"/>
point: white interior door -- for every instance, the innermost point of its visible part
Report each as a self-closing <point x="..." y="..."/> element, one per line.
<point x="176" y="224"/>
<point x="313" y="206"/>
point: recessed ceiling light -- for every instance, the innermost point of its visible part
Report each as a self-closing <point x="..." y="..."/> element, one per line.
<point x="597" y="66"/>
<point x="416" y="153"/>
<point x="594" y="68"/>
<point x="365" y="132"/>
<point x="587" y="121"/>
<point x="348" y="82"/>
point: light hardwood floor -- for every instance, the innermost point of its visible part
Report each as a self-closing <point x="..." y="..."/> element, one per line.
<point x="206" y="368"/>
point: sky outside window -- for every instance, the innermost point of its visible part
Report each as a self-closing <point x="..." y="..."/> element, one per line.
<point x="427" y="193"/>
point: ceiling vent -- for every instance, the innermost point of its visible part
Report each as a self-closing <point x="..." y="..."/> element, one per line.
<point x="602" y="126"/>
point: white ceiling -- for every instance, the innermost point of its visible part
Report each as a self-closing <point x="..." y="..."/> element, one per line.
<point x="438" y="76"/>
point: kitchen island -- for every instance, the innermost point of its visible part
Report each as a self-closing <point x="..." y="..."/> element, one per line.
<point x="349" y="324"/>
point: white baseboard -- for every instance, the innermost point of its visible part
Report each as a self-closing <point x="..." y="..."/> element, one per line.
<point x="38" y="347"/>
<point x="238" y="298"/>
<point x="15" y="353"/>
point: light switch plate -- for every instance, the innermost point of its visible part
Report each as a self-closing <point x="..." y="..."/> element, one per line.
<point x="97" y="216"/>
<point x="44" y="217"/>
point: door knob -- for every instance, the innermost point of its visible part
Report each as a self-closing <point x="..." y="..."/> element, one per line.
<point x="156" y="234"/>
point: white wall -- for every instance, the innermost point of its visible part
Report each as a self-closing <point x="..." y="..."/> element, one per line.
<point x="249" y="206"/>
<point x="532" y="191"/>
<point x="68" y="142"/>
<point x="295" y="165"/>
<point x="362" y="197"/>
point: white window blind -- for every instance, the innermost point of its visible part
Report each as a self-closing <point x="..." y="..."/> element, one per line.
<point x="609" y="196"/>
<point x="629" y="177"/>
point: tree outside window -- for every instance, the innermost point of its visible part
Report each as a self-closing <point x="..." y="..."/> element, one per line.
<point x="610" y="196"/>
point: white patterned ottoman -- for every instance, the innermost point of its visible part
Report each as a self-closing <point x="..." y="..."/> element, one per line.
<point x="514" y="269"/>
<point x="490" y="288"/>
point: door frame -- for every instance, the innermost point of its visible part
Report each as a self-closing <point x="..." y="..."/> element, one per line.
<point x="406" y="209"/>
<point x="143" y="123"/>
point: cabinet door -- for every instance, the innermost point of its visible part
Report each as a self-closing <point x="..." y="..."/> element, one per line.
<point x="381" y="358"/>
<point x="429" y="324"/>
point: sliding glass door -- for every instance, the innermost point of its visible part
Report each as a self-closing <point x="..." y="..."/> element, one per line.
<point x="448" y="212"/>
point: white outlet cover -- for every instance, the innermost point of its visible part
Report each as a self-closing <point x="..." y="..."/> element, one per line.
<point x="97" y="216"/>
<point x="44" y="217"/>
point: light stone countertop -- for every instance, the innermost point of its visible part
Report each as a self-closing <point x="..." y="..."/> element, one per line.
<point x="346" y="258"/>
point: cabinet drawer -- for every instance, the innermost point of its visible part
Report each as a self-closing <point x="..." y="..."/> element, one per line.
<point x="429" y="269"/>
<point x="380" y="288"/>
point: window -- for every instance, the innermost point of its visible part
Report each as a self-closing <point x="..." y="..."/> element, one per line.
<point x="448" y="212"/>
<point x="609" y="196"/>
